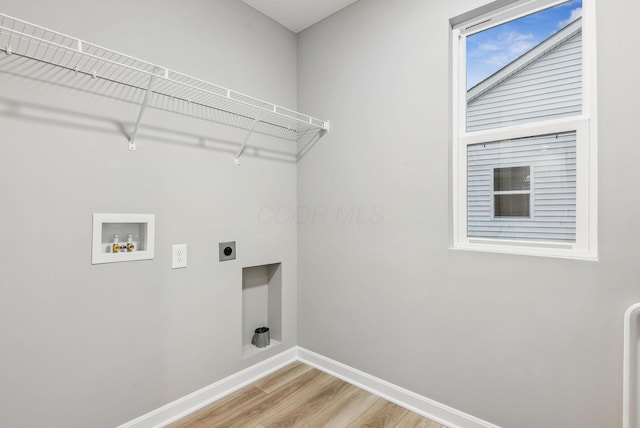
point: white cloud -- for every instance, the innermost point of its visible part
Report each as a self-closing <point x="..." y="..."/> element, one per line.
<point x="504" y="48"/>
<point x="575" y="14"/>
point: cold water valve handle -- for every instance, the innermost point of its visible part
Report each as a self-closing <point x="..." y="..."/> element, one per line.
<point x="130" y="246"/>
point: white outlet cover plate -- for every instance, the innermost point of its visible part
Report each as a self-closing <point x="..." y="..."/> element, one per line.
<point x="178" y="256"/>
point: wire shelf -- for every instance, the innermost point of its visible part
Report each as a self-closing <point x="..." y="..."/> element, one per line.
<point x="167" y="89"/>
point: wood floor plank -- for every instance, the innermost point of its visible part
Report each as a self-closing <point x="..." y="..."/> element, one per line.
<point x="382" y="414"/>
<point x="341" y="413"/>
<point x="304" y="407"/>
<point x="220" y="409"/>
<point x="413" y="420"/>
<point x="282" y="376"/>
<point x="275" y="401"/>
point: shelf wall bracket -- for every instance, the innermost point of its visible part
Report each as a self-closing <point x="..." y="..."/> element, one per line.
<point x="143" y="106"/>
<point x="246" y="138"/>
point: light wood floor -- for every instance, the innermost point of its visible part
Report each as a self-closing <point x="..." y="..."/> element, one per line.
<point x="300" y="396"/>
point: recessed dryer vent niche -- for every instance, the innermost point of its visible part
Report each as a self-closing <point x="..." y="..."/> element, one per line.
<point x="122" y="237"/>
<point x="261" y="304"/>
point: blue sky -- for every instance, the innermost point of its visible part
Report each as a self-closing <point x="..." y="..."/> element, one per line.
<point x="491" y="49"/>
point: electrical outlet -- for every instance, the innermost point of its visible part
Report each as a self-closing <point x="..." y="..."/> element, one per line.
<point x="178" y="256"/>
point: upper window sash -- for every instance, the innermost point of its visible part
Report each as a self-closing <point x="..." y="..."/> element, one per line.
<point x="509" y="13"/>
<point x="504" y="14"/>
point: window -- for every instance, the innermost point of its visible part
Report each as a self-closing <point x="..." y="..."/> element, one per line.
<point x="524" y="149"/>
<point x="512" y="192"/>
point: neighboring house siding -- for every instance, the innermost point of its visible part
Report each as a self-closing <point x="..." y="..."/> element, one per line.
<point x="553" y="187"/>
<point x="549" y="87"/>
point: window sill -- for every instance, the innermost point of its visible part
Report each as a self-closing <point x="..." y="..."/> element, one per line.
<point x="562" y="251"/>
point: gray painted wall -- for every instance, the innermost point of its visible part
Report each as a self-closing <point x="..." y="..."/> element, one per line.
<point x="519" y="341"/>
<point x="100" y="345"/>
<point x="97" y="346"/>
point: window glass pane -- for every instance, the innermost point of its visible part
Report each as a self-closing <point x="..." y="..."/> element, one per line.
<point x="552" y="192"/>
<point x="512" y="205"/>
<point x="513" y="178"/>
<point x="526" y="70"/>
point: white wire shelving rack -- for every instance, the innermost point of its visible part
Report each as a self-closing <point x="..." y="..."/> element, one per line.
<point x="156" y="83"/>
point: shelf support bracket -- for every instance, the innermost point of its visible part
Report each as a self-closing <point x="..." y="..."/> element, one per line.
<point x="143" y="106"/>
<point x="246" y="138"/>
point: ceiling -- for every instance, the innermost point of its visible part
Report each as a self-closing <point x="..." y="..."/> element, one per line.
<point x="297" y="15"/>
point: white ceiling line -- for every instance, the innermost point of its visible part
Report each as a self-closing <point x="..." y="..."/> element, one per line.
<point x="297" y="15"/>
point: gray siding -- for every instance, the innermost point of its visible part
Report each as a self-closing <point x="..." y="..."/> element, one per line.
<point x="550" y="87"/>
<point x="553" y="186"/>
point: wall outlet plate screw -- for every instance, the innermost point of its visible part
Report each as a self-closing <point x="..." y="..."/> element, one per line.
<point x="178" y="256"/>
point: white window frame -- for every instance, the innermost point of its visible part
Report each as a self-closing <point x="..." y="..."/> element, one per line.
<point x="585" y="126"/>
<point x="495" y="193"/>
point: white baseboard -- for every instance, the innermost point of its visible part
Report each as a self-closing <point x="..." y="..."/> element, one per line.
<point x="424" y="406"/>
<point x="196" y="400"/>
